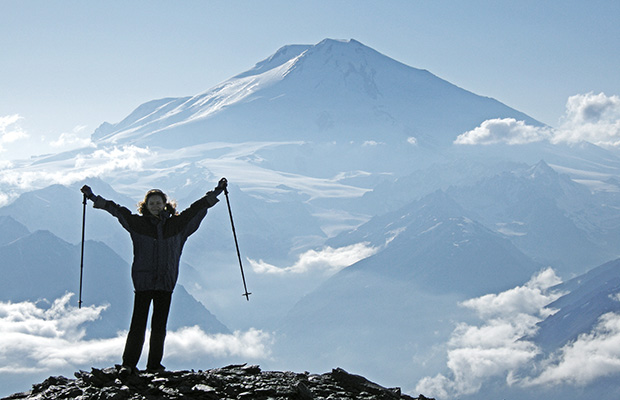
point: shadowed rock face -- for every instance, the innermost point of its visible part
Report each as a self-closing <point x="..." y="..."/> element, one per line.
<point x="231" y="382"/>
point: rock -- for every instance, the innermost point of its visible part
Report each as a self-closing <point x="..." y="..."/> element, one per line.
<point x="230" y="382"/>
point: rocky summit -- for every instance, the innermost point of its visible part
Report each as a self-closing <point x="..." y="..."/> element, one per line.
<point x="231" y="382"/>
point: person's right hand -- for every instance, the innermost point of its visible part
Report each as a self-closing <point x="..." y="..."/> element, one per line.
<point x="221" y="186"/>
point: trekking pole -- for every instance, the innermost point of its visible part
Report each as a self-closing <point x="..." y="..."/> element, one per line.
<point x="82" y="256"/>
<point x="246" y="294"/>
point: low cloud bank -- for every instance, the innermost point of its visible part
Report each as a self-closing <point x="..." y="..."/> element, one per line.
<point x="94" y="164"/>
<point x="590" y="117"/>
<point x="327" y="260"/>
<point x="44" y="338"/>
<point x="74" y="139"/>
<point x="11" y="132"/>
<point x="495" y="349"/>
<point x="592" y="356"/>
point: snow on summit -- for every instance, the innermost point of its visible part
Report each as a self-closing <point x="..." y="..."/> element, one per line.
<point x="331" y="89"/>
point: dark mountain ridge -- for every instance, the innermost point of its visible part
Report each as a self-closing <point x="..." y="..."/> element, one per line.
<point x="41" y="266"/>
<point x="233" y="381"/>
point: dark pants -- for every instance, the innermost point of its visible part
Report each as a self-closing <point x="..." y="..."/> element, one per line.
<point x="137" y="330"/>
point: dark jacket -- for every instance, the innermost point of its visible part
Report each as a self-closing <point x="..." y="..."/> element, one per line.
<point x="158" y="242"/>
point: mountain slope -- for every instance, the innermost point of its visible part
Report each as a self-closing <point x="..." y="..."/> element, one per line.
<point x="393" y="306"/>
<point x="547" y="215"/>
<point x="587" y="298"/>
<point x="11" y="230"/>
<point x="433" y="244"/>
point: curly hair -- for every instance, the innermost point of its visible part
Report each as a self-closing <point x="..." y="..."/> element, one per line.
<point x="171" y="206"/>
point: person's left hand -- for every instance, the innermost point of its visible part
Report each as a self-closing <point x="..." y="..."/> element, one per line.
<point x="88" y="192"/>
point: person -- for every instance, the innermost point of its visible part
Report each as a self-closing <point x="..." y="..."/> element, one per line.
<point x="158" y="233"/>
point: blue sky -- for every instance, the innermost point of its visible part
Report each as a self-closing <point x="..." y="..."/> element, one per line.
<point x="70" y="65"/>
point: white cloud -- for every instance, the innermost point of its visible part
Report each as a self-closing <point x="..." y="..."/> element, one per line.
<point x="593" y="355"/>
<point x="529" y="299"/>
<point x="594" y="118"/>
<point x="592" y="108"/>
<point x="10" y="131"/>
<point x="110" y="159"/>
<point x="495" y="348"/>
<point x="590" y="117"/>
<point x="192" y="343"/>
<point x="99" y="163"/>
<point x="372" y="143"/>
<point x="7" y="198"/>
<point x="503" y="130"/>
<point x="327" y="260"/>
<point x="412" y="140"/>
<point x="35" y="339"/>
<point x="73" y="139"/>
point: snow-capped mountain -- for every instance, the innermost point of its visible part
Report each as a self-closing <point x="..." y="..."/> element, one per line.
<point x="338" y="112"/>
<point x="334" y="90"/>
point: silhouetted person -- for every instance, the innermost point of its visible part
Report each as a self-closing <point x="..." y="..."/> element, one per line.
<point x="158" y="233"/>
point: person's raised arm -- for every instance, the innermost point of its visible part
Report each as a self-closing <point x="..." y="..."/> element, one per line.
<point x="121" y="213"/>
<point x="192" y="216"/>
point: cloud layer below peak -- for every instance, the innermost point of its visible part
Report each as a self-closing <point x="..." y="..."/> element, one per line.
<point x="39" y="339"/>
<point x="590" y="117"/>
<point x="495" y="349"/>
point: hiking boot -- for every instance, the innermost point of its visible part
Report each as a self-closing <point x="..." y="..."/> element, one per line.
<point x="155" y="369"/>
<point x="126" y="371"/>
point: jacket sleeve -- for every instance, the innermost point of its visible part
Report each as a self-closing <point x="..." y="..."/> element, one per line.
<point x="121" y="213"/>
<point x="194" y="214"/>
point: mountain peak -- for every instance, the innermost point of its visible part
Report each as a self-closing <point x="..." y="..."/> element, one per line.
<point x="11" y="229"/>
<point x="349" y="56"/>
<point x="342" y="43"/>
<point x="551" y="182"/>
<point x="288" y="52"/>
<point x="540" y="169"/>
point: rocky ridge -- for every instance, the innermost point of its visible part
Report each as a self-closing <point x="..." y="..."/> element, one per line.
<point x="231" y="382"/>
